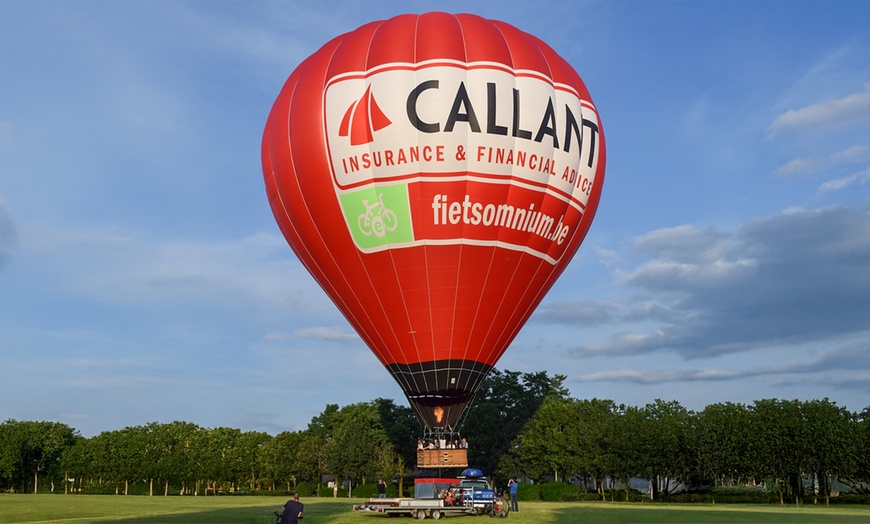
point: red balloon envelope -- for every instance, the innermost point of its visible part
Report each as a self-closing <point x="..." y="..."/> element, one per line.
<point x="435" y="173"/>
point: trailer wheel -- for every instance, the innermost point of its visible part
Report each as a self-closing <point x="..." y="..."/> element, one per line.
<point x="421" y="514"/>
<point x="436" y="514"/>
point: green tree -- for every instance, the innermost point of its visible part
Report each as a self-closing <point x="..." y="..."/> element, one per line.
<point x="389" y="464"/>
<point x="311" y="457"/>
<point x="76" y="461"/>
<point x="401" y="427"/>
<point x="174" y="445"/>
<point x="780" y="446"/>
<point x="832" y="445"/>
<point x="724" y="437"/>
<point x="665" y="446"/>
<point x="248" y="456"/>
<point x="219" y="457"/>
<point x="124" y="455"/>
<point x="594" y="425"/>
<point x="323" y="425"/>
<point x="504" y="403"/>
<point x="858" y="475"/>
<point x="350" y="452"/>
<point x="624" y="442"/>
<point x="548" y="444"/>
<point x="28" y="449"/>
<point x="278" y="457"/>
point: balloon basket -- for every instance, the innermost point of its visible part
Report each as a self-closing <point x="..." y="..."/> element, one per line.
<point x="442" y="458"/>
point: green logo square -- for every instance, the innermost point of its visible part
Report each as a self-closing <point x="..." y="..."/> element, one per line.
<point x="378" y="216"/>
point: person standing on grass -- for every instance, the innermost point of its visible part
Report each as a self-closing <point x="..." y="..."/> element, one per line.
<point x="292" y="511"/>
<point x="382" y="489"/>
<point x="512" y="485"/>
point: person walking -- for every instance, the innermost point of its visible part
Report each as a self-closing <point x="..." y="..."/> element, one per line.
<point x="512" y="485"/>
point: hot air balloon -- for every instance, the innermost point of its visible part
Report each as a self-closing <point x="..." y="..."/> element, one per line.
<point x="435" y="173"/>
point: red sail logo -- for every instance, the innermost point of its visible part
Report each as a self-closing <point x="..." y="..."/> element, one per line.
<point x="363" y="118"/>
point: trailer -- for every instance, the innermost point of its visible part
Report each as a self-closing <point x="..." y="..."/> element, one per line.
<point x="442" y="497"/>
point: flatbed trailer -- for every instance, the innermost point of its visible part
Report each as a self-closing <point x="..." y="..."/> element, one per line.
<point x="417" y="508"/>
<point x="441" y="497"/>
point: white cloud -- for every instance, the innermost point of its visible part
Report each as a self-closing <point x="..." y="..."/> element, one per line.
<point x="857" y="153"/>
<point x="683" y="243"/>
<point x="862" y="177"/>
<point x="799" y="166"/>
<point x="847" y="363"/>
<point x="764" y="287"/>
<point x="813" y="165"/>
<point x="849" y="109"/>
<point x="113" y="267"/>
<point x="578" y="314"/>
<point x="326" y="333"/>
<point x="608" y="257"/>
<point x="660" y="376"/>
<point x="686" y="258"/>
<point x="277" y="337"/>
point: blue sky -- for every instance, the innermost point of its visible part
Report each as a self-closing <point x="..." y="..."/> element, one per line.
<point x="143" y="278"/>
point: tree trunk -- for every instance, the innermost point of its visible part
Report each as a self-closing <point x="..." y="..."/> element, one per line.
<point x="828" y="481"/>
<point x="654" y="487"/>
<point x="35" y="481"/>
<point x="797" y="485"/>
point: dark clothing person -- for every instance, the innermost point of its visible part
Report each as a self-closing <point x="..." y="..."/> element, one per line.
<point x="292" y="511"/>
<point x="512" y="484"/>
<point x="382" y="489"/>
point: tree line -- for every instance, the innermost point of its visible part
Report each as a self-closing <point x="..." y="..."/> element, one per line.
<point x="522" y="425"/>
<point x="796" y="449"/>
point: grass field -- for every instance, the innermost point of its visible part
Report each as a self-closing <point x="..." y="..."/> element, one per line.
<point x="258" y="510"/>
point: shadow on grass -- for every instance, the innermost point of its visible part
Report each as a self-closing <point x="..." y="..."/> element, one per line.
<point x="329" y="512"/>
<point x="697" y="513"/>
<point x="340" y="512"/>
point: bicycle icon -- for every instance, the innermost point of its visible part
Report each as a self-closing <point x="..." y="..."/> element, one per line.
<point x="377" y="219"/>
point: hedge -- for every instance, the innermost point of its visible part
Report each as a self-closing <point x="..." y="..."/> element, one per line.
<point x="559" y="492"/>
<point x="528" y="491"/>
